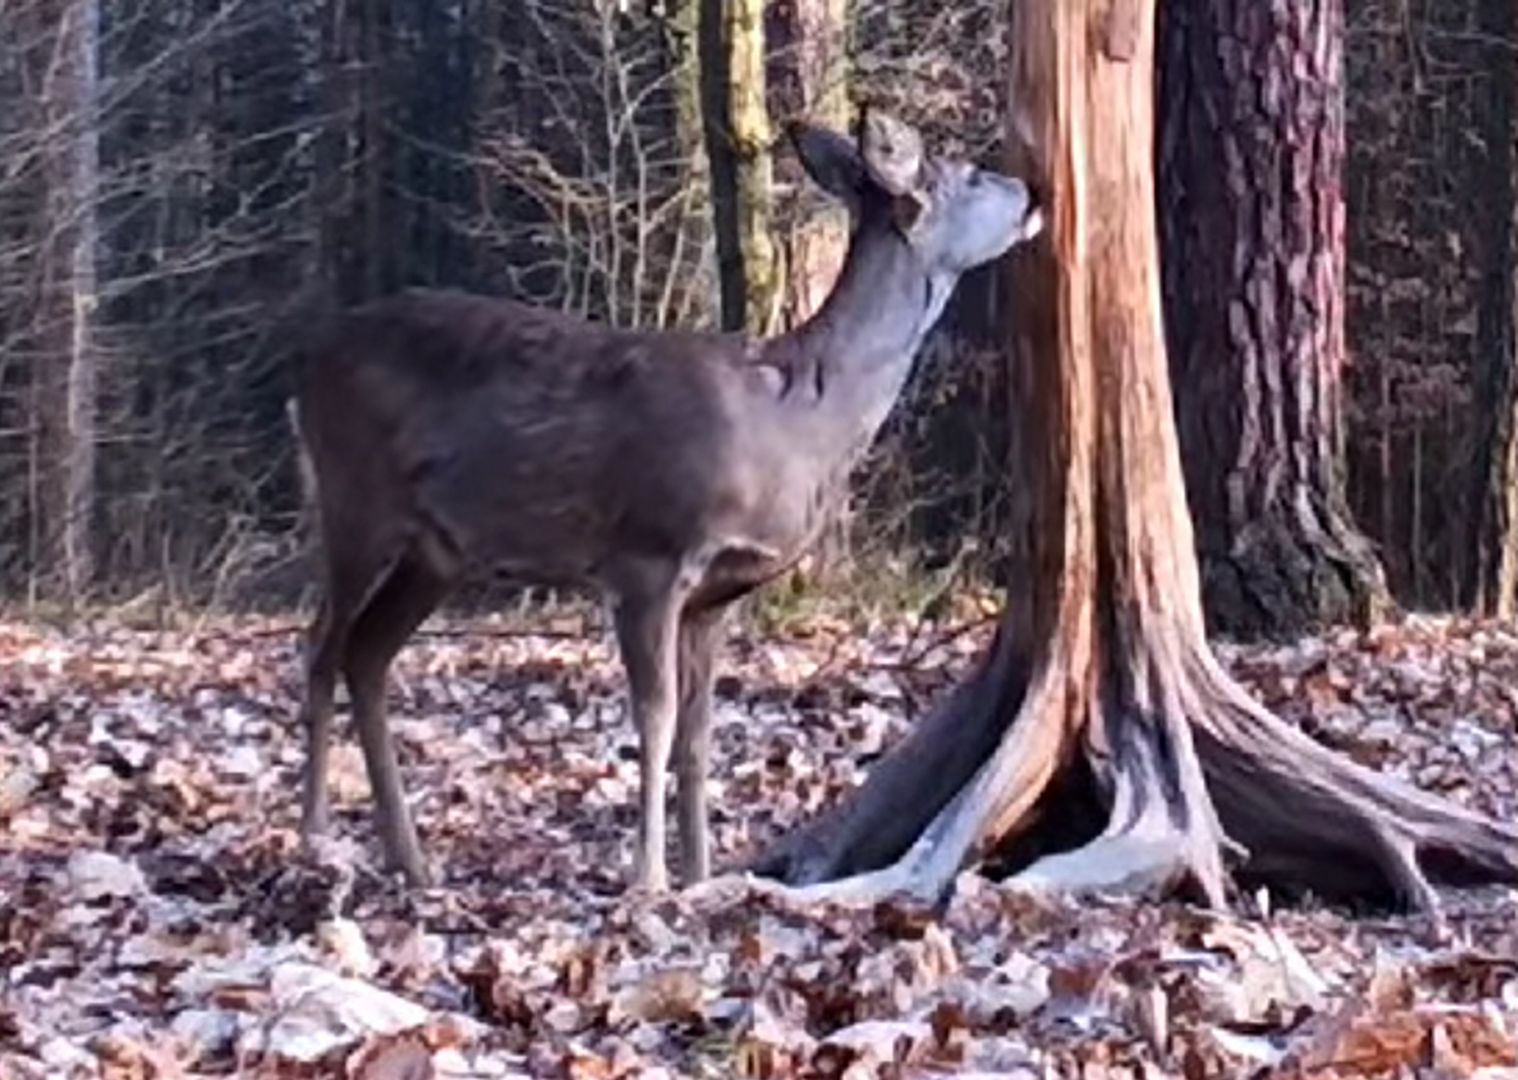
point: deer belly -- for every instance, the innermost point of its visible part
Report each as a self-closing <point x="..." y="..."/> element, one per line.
<point x="543" y="542"/>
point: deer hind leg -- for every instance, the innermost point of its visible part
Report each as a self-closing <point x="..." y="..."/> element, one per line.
<point x="410" y="592"/>
<point x="699" y="631"/>
<point x="316" y="721"/>
<point x="351" y="582"/>
<point x="647" y="621"/>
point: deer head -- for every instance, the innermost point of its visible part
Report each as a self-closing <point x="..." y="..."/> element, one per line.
<point x="954" y="215"/>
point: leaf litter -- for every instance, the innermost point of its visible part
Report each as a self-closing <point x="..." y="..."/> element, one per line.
<point x="159" y="918"/>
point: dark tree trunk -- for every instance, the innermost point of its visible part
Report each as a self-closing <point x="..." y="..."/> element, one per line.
<point x="1250" y="158"/>
<point x="1493" y="577"/>
<point x="1100" y="716"/>
<point x="382" y="247"/>
<point x="722" y="161"/>
<point x="683" y="291"/>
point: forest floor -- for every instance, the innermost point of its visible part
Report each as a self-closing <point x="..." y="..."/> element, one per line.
<point x="158" y="920"/>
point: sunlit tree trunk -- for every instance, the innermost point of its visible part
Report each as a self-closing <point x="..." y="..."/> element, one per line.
<point x="1250" y="158"/>
<point x="1493" y="576"/>
<point x="1100" y="745"/>
<point x="738" y="147"/>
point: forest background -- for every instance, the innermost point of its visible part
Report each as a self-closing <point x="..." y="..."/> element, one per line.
<point x="182" y="182"/>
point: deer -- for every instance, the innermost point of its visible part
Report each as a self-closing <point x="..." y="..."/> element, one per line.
<point x="447" y="433"/>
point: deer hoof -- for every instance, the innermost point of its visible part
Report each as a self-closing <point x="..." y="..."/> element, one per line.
<point x="415" y="873"/>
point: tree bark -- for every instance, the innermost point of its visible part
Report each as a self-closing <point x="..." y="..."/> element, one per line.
<point x="1100" y="716"/>
<point x="694" y="229"/>
<point x="749" y="125"/>
<point x="1492" y="585"/>
<point x="66" y="377"/>
<point x="722" y="162"/>
<point x="738" y="149"/>
<point x="1250" y="158"/>
<point x="808" y="78"/>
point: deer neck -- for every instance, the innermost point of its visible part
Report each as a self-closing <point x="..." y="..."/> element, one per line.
<point x="859" y="346"/>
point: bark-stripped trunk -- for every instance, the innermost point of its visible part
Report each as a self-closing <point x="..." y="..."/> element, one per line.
<point x="1100" y="715"/>
<point x="738" y="148"/>
<point x="1252" y="227"/>
<point x="1492" y="583"/>
<point x="66" y="378"/>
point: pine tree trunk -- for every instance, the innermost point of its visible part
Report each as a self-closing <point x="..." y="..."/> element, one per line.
<point x="1492" y="585"/>
<point x="1100" y="745"/>
<point x="66" y="377"/>
<point x="1252" y="227"/>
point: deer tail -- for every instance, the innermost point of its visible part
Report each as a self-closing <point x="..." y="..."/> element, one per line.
<point x="305" y="466"/>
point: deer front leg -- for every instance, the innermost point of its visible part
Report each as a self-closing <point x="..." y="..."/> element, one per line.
<point x="699" y="631"/>
<point x="647" y="620"/>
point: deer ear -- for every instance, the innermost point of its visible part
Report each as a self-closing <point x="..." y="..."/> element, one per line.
<point x="892" y="152"/>
<point x="831" y="160"/>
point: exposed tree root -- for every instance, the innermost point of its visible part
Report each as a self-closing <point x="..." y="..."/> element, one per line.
<point x="1190" y="771"/>
<point x="1316" y="819"/>
<point x="910" y="788"/>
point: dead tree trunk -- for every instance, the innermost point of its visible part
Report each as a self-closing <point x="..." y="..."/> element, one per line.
<point x="1252" y="228"/>
<point x="1492" y="582"/>
<point x="1100" y="716"/>
<point x="64" y="400"/>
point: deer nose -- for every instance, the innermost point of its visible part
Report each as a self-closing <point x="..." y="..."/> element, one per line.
<point x="1033" y="223"/>
<point x="1033" y="212"/>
